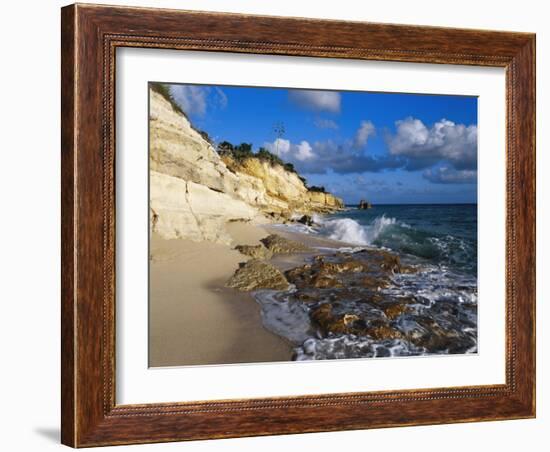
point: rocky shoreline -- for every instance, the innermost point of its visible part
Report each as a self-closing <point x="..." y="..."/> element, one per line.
<point x="353" y="298"/>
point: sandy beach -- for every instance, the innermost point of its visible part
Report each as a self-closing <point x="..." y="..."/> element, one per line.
<point x="194" y="319"/>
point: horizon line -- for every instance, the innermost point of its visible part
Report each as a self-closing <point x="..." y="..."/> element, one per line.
<point x="414" y="203"/>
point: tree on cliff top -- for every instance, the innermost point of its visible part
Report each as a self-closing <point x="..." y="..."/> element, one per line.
<point x="320" y="189"/>
<point x="244" y="151"/>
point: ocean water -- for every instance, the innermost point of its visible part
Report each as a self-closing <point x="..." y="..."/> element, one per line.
<point x="439" y="241"/>
<point x="442" y="234"/>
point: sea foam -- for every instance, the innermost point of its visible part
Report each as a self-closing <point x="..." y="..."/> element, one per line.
<point x="350" y="231"/>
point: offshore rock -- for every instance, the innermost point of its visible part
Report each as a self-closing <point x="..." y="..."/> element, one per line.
<point x="307" y="220"/>
<point x="364" y="204"/>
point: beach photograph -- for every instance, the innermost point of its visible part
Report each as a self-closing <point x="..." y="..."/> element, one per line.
<point x="299" y="225"/>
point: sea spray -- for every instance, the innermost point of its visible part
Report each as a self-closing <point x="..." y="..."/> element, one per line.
<point x="411" y="309"/>
<point x="285" y="318"/>
<point x="350" y="231"/>
<point x="430" y="298"/>
<point x="441" y="234"/>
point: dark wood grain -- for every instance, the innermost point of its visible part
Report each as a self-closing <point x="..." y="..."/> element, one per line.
<point x="68" y="310"/>
<point x="90" y="36"/>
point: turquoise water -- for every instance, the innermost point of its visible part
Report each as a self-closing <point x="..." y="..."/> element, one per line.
<point x="439" y="241"/>
<point x="442" y="234"/>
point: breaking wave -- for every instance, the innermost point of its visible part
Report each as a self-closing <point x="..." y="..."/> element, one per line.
<point x="389" y="233"/>
<point x="438" y="297"/>
<point x="350" y="231"/>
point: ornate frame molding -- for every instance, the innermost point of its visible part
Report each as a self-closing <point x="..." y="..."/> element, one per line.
<point x="90" y="37"/>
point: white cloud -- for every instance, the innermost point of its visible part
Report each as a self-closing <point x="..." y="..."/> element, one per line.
<point x="195" y="100"/>
<point x="448" y="149"/>
<point x="323" y="123"/>
<point x="192" y="99"/>
<point x="279" y="147"/>
<point x="366" y="129"/>
<point x="322" y="156"/>
<point x="446" y="175"/>
<point x="316" y="100"/>
<point x="304" y="151"/>
<point x="222" y="98"/>
<point x="445" y="140"/>
<point x="291" y="152"/>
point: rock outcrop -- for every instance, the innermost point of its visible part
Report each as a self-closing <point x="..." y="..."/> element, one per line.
<point x="364" y="204"/>
<point x="177" y="149"/>
<point x="194" y="193"/>
<point x="185" y="209"/>
<point x="324" y="202"/>
<point x="279" y="245"/>
<point x="255" y="275"/>
<point x="279" y="190"/>
<point x="259" y="252"/>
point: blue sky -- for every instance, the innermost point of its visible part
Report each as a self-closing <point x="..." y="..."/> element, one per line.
<point x="384" y="147"/>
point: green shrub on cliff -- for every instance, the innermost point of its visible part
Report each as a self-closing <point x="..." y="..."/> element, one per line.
<point x="244" y="151"/>
<point x="265" y="155"/>
<point x="320" y="189"/>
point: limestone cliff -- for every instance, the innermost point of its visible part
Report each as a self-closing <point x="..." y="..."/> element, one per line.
<point x="282" y="191"/>
<point x="194" y="192"/>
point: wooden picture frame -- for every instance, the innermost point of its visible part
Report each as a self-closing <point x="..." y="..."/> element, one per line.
<point x="90" y="36"/>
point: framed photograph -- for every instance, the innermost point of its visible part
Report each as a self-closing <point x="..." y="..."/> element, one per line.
<point x="282" y="225"/>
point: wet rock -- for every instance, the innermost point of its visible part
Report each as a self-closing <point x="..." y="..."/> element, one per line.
<point x="330" y="323"/>
<point x="322" y="315"/>
<point x="436" y="339"/>
<point x="349" y="323"/>
<point x="349" y="266"/>
<point x="309" y="276"/>
<point x="391" y="263"/>
<point x="322" y="282"/>
<point x="307" y="220"/>
<point x="256" y="274"/>
<point x="278" y="217"/>
<point x="383" y="332"/>
<point x="306" y="297"/>
<point x="394" y="310"/>
<point x="255" y="251"/>
<point x="373" y="283"/>
<point x="324" y="274"/>
<point x="364" y="204"/>
<point x="373" y="298"/>
<point x="300" y="276"/>
<point x="408" y="269"/>
<point x="277" y="244"/>
<point x="384" y="260"/>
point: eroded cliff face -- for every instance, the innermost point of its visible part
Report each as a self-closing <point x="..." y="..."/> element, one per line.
<point x="194" y="193"/>
<point x="184" y="209"/>
<point x="282" y="191"/>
